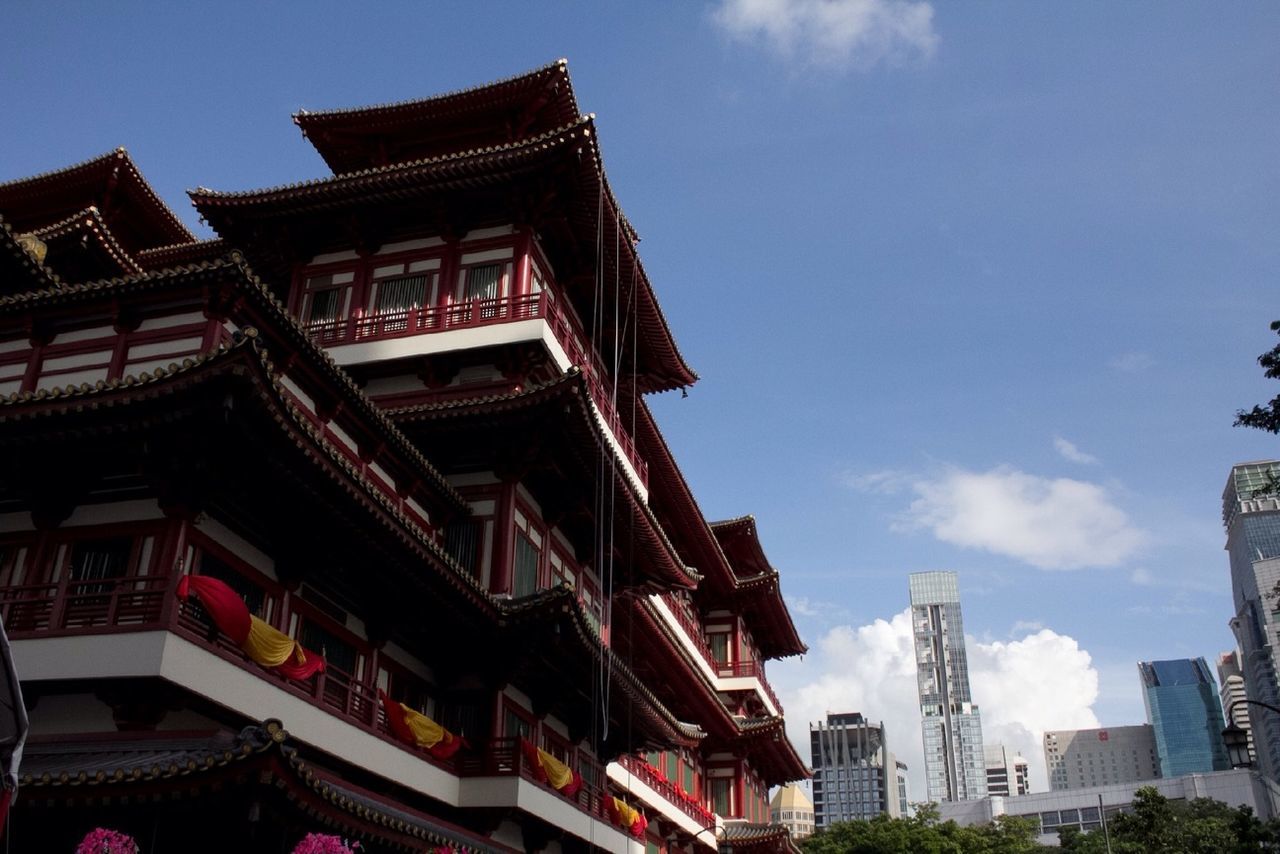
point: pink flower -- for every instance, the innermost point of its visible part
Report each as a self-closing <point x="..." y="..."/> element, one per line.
<point x="103" y="841"/>
<point x="324" y="843"/>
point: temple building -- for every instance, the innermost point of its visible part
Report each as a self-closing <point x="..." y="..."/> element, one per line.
<point x="355" y="519"/>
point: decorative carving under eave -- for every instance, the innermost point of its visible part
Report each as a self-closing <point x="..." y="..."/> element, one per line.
<point x="33" y="246"/>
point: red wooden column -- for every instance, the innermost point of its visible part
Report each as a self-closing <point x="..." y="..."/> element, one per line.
<point x="523" y="272"/>
<point x="172" y="562"/>
<point x="503" y="539"/>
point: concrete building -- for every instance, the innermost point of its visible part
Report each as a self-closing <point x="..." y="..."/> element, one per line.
<point x="1183" y="710"/>
<point x="854" y="774"/>
<point x="791" y="809"/>
<point x="1006" y="774"/>
<point x="1080" y="758"/>
<point x="1231" y="691"/>
<point x="955" y="769"/>
<point x="904" y="796"/>
<point x="1085" y="808"/>
<point x="1251" y="516"/>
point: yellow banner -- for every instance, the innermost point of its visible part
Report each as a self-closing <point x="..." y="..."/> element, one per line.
<point x="426" y="732"/>
<point x="558" y="774"/>
<point x="269" y="646"/>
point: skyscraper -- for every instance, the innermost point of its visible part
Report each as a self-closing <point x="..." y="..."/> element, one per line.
<point x="1007" y="771"/>
<point x="1185" y="716"/>
<point x="955" y="769"/>
<point x="854" y="774"/>
<point x="1231" y="691"/>
<point x="1251" y="516"/>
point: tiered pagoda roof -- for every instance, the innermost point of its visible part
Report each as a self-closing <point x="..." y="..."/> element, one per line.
<point x="550" y="177"/>
<point x="497" y="113"/>
<point x="556" y="411"/>
<point x="757" y="590"/>
<point x="95" y="216"/>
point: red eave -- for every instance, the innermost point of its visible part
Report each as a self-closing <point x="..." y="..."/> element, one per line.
<point x="756" y="583"/>
<point x="138" y="218"/>
<point x="659" y="554"/>
<point x="244" y="218"/>
<point x="498" y="112"/>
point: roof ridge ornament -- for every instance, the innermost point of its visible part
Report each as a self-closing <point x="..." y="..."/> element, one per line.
<point x="33" y="246"/>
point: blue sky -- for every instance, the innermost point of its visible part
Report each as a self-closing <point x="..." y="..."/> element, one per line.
<point x="969" y="286"/>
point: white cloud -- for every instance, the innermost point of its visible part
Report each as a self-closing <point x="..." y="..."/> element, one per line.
<point x="1049" y="523"/>
<point x="1132" y="363"/>
<point x="1069" y="451"/>
<point x="885" y="482"/>
<point x="834" y="33"/>
<point x="1143" y="577"/>
<point x="1023" y="687"/>
<point x="806" y="607"/>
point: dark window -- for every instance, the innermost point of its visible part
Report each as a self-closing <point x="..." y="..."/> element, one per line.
<point x="462" y="542"/>
<point x="336" y="651"/>
<point x="482" y="282"/>
<point x="325" y="305"/>
<point x="92" y="560"/>
<point x="395" y="295"/>
<point x="720" y="795"/>
<point x="525" y="579"/>
<point x="253" y="595"/>
<point x="719" y="644"/>
<point x="514" y="725"/>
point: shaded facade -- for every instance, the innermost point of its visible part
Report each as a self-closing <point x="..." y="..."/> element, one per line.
<point x="1251" y="518"/>
<point x="1232" y="693"/>
<point x="355" y="518"/>
<point x="1080" y="758"/>
<point x="1007" y="773"/>
<point x="1185" y="716"/>
<point x="955" y="768"/>
<point x="855" y="776"/>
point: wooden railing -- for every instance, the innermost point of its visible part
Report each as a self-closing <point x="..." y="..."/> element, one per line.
<point x="651" y="777"/>
<point x="487" y="312"/>
<point x="109" y="603"/>
<point x="502" y="757"/>
<point x="137" y="603"/>
<point x="693" y="630"/>
<point x="753" y="669"/>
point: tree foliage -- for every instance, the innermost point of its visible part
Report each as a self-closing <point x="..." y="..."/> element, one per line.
<point x="1160" y="826"/>
<point x="1265" y="417"/>
<point x="924" y="833"/>
<point x="1156" y="825"/>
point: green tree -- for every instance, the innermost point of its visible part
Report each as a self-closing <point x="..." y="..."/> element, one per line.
<point x="924" y="833"/>
<point x="1265" y="417"/>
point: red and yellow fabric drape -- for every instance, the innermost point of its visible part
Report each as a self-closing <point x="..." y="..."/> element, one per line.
<point x="417" y="730"/>
<point x="547" y="769"/>
<point x="265" y="645"/>
<point x="626" y="816"/>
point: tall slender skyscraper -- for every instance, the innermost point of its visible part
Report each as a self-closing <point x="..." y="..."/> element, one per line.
<point x="955" y="769"/>
<point x="1185" y="715"/>
<point x="1251" y="515"/>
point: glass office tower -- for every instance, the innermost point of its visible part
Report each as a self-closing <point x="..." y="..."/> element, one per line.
<point x="1185" y="716"/>
<point x="955" y="769"/>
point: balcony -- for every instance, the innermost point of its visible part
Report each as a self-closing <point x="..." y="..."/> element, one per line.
<point x="752" y="670"/>
<point x="146" y="606"/>
<point x="697" y="641"/>
<point x="651" y="777"/>
<point x="481" y="313"/>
